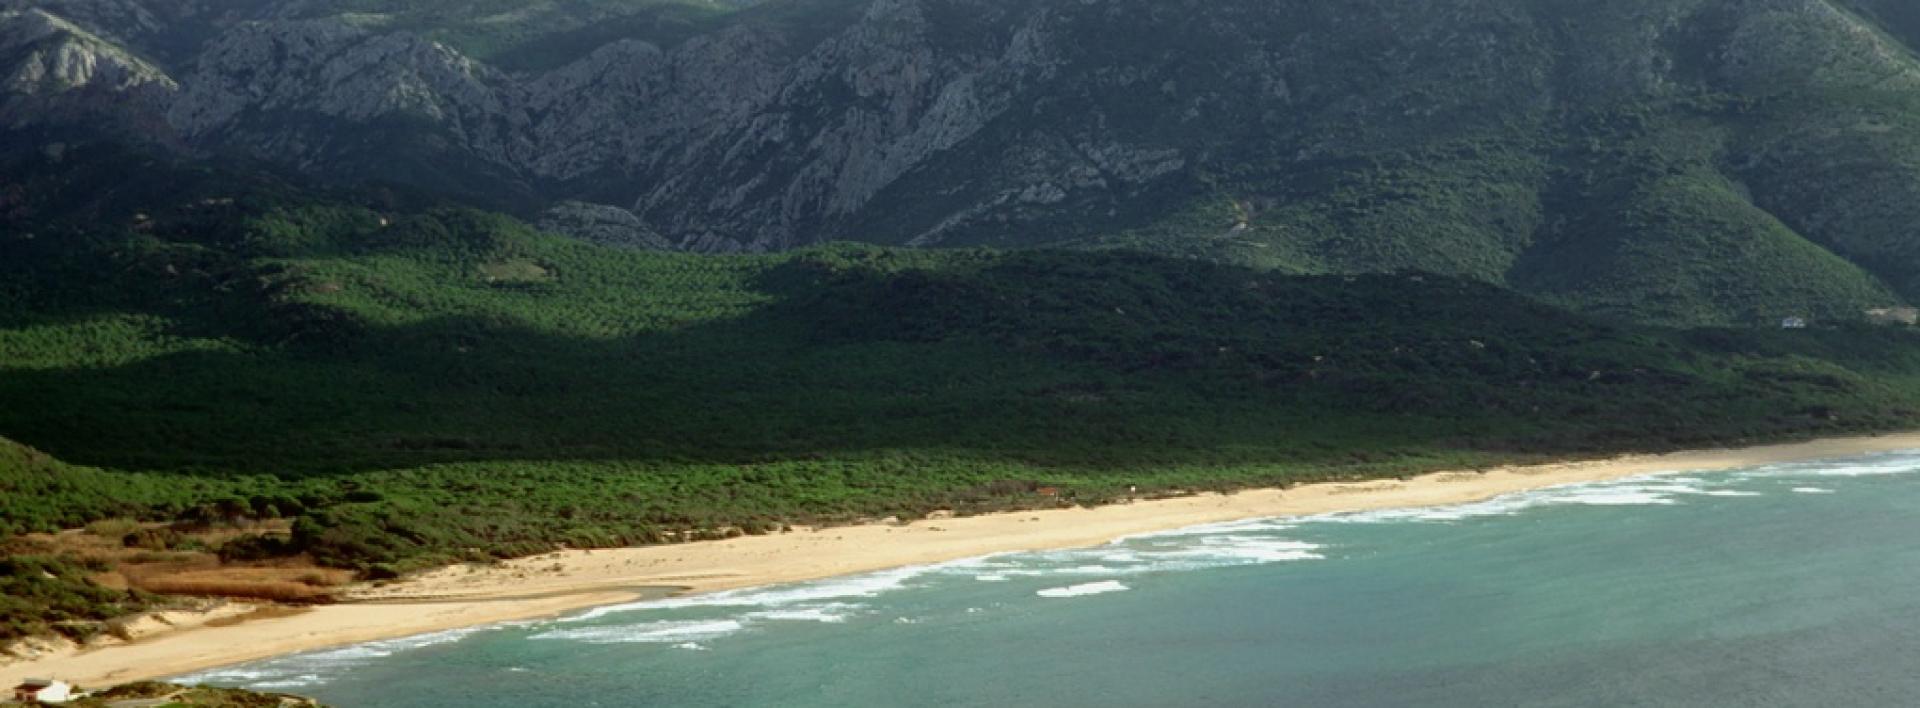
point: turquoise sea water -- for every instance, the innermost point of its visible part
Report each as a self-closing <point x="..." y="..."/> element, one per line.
<point x="1789" y="585"/>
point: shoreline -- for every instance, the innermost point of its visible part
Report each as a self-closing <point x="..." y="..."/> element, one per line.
<point x="552" y="584"/>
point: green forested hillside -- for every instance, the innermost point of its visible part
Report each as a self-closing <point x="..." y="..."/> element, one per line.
<point x="41" y="595"/>
<point x="1678" y="162"/>
<point x="211" y="346"/>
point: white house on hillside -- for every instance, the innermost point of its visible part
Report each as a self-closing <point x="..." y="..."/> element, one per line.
<point x="42" y="690"/>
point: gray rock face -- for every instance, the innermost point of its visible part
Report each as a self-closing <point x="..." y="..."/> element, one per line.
<point x="911" y="121"/>
<point x="59" y="72"/>
<point x="252" y="81"/>
<point x="746" y="138"/>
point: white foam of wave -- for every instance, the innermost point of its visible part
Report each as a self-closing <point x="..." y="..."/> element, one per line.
<point x="604" y="610"/>
<point x="661" y="632"/>
<point x="1143" y="555"/>
<point x="1104" y="586"/>
<point x="389" y="647"/>
<point x="1225" y="527"/>
<point x="852" y="586"/>
<point x="301" y="681"/>
<point x="1241" y="549"/>
<point x="831" y="612"/>
<point x="1906" y="462"/>
<point x="1616" y="497"/>
<point x="309" y="669"/>
<point x="691" y="646"/>
<point x="233" y="675"/>
<point x="1649" y="490"/>
<point x="1118" y="554"/>
<point x="1812" y="490"/>
<point x="1899" y="466"/>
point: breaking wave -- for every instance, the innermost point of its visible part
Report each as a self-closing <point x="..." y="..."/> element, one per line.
<point x="309" y="669"/>
<point x="1648" y="490"/>
<point x="661" y="632"/>
<point x="849" y="587"/>
<point x="1862" y="466"/>
<point x="831" y="612"/>
<point x="1102" y="587"/>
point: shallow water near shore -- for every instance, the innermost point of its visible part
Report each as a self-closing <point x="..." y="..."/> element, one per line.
<point x="1791" y="584"/>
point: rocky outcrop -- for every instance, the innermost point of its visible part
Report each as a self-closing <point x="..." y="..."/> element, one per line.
<point x="912" y="121"/>
<point x="57" y="72"/>
<point x="291" y="90"/>
<point x="747" y="138"/>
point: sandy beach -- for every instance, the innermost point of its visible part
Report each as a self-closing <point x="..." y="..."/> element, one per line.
<point x="556" y="583"/>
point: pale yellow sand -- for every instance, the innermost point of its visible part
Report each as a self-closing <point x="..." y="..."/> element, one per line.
<point x="555" y="583"/>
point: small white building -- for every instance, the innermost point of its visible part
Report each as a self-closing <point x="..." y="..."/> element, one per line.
<point x="42" y="690"/>
<point x="1793" y="323"/>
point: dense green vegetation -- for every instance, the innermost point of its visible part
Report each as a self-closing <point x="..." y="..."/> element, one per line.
<point x="46" y="494"/>
<point x="1677" y="162"/>
<point x="417" y="384"/>
<point x="43" y="595"/>
<point x="1708" y="209"/>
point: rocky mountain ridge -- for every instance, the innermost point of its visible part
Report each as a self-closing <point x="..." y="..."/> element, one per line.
<point x="1505" y="140"/>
